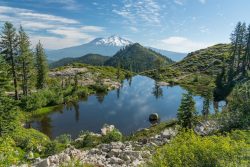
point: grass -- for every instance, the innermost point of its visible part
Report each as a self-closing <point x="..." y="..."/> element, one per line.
<point x="45" y="110"/>
<point x="153" y="130"/>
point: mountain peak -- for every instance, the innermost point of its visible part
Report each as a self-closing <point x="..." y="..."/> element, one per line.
<point x="113" y="40"/>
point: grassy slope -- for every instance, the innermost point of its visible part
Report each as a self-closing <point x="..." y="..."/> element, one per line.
<point x="138" y="58"/>
<point x="197" y="71"/>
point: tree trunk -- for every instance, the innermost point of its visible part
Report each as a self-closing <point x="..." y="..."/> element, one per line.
<point x="13" y="67"/>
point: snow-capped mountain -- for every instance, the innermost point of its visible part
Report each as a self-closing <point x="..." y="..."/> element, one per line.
<point x="112" y="41"/>
<point x="104" y="46"/>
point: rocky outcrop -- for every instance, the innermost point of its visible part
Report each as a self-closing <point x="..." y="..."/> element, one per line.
<point x="107" y="128"/>
<point x="206" y="127"/>
<point x="114" y="154"/>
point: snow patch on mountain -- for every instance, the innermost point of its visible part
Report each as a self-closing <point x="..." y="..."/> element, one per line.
<point x="112" y="41"/>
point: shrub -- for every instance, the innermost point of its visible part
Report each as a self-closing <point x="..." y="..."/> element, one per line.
<point x="189" y="149"/>
<point x="9" y="153"/>
<point x="87" y="139"/>
<point x="100" y="88"/>
<point x="41" y="99"/>
<point x="9" y="115"/>
<point x="30" y="140"/>
<point x="64" y="139"/>
<point x="112" y="136"/>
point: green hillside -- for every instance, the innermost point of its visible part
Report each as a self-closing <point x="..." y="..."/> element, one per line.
<point x="91" y="59"/>
<point x="138" y="58"/>
<point x="209" y="60"/>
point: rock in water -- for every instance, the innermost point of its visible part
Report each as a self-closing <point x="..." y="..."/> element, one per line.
<point x="153" y="117"/>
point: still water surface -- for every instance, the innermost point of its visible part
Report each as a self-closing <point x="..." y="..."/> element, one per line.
<point x="127" y="108"/>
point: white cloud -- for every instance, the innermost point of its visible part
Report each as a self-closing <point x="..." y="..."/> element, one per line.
<point x="54" y="31"/>
<point x="37" y="25"/>
<point x="181" y="44"/>
<point x="147" y="11"/>
<point x="204" y="29"/>
<point x="6" y="9"/>
<point x="66" y="4"/>
<point x="47" y="17"/>
<point x="50" y="42"/>
<point x="73" y="33"/>
<point x="202" y="1"/>
<point x="133" y="29"/>
<point x="179" y="2"/>
<point x="92" y="28"/>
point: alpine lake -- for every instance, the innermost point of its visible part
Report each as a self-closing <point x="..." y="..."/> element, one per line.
<point x="127" y="108"/>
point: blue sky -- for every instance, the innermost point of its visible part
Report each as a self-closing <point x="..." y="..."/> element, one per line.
<point x="177" y="25"/>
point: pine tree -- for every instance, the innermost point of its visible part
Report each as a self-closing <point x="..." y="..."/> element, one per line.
<point x="235" y="45"/>
<point x="76" y="81"/>
<point x="241" y="45"/>
<point x="118" y="72"/>
<point x="247" y="51"/>
<point x="206" y="105"/>
<point x="41" y="66"/>
<point x="4" y="76"/>
<point x="187" y="114"/>
<point x="8" y="47"/>
<point x="26" y="59"/>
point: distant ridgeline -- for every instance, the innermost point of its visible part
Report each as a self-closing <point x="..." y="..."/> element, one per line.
<point x="133" y="57"/>
<point x="91" y="59"/>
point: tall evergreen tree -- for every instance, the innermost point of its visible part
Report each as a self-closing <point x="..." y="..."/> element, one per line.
<point x="8" y="47"/>
<point x="235" y="45"/>
<point x="41" y="66"/>
<point x="247" y="51"/>
<point x="118" y="72"/>
<point x="4" y="76"/>
<point x="241" y="45"/>
<point x="187" y="114"/>
<point x="26" y="59"/>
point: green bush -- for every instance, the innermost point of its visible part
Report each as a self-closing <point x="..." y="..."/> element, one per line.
<point x="189" y="149"/>
<point x="112" y="136"/>
<point x="9" y="153"/>
<point x="9" y="115"/>
<point x="100" y="88"/>
<point x="30" y="140"/>
<point x="54" y="147"/>
<point x="64" y="139"/>
<point x="87" y="139"/>
<point x="42" y="98"/>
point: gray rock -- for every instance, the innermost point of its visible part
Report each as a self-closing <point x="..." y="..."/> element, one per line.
<point x="107" y="128"/>
<point x="115" y="160"/>
<point x="44" y="163"/>
<point x="153" y="117"/>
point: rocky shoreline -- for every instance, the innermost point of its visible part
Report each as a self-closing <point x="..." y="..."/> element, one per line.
<point x="114" y="154"/>
<point x="119" y="154"/>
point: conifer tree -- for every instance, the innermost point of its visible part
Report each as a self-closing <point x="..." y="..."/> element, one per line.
<point x="187" y="114"/>
<point x="26" y="59"/>
<point x="247" y="51"/>
<point x="118" y="72"/>
<point x="76" y="81"/>
<point x="4" y="76"/>
<point x="41" y="66"/>
<point x="8" y="47"/>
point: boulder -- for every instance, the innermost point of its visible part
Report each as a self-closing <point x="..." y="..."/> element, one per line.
<point x="44" y="163"/>
<point x="107" y="128"/>
<point x="153" y="117"/>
